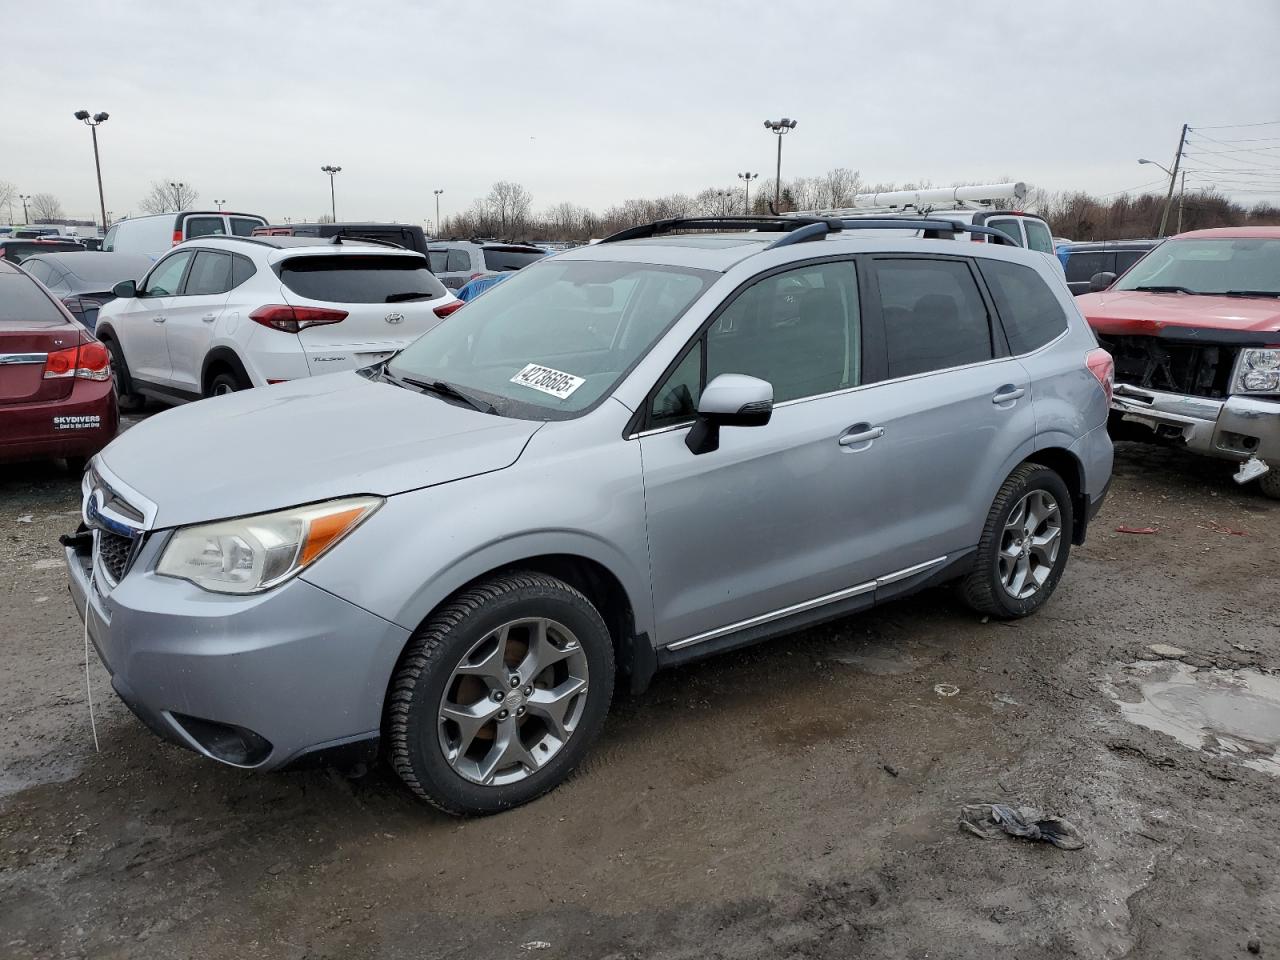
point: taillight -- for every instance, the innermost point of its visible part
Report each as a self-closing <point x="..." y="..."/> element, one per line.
<point x="281" y="316"/>
<point x="445" y="309"/>
<point x="89" y="361"/>
<point x="1102" y="366"/>
<point x="177" y="237"/>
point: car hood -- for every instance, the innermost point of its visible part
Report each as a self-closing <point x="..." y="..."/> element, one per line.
<point x="306" y="441"/>
<point x="1137" y="312"/>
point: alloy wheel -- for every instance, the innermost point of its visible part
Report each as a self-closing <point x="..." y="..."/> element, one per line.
<point x="513" y="701"/>
<point x="1029" y="544"/>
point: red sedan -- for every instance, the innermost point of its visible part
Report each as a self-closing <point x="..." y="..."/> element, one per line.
<point x="56" y="394"/>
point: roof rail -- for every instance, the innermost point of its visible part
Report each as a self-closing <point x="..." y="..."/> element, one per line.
<point x="338" y="239"/>
<point x="797" y="229"/>
<point x="260" y="240"/>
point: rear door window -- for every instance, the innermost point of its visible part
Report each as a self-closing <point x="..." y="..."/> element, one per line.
<point x="244" y="226"/>
<point x="361" y="278"/>
<point x="22" y="301"/>
<point x="204" y="227"/>
<point x="1038" y="236"/>
<point x="1029" y="311"/>
<point x="1081" y="266"/>
<point x="934" y="316"/>
<point x="500" y="258"/>
<point x="1008" y="226"/>
<point x="210" y="274"/>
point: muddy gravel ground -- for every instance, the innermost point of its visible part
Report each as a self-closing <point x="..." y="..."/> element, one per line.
<point x="798" y="799"/>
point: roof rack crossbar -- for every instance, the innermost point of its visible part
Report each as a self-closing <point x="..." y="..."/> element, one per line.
<point x="800" y="229"/>
<point x="817" y="229"/>
<point x="761" y="223"/>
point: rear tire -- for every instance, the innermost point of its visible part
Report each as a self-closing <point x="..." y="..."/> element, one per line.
<point x="1269" y="483"/>
<point x="470" y="659"/>
<point x="226" y="382"/>
<point x="126" y="399"/>
<point x="1024" y="545"/>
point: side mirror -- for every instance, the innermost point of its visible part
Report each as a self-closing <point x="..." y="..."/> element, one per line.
<point x="125" y="289"/>
<point x="730" y="400"/>
<point x="1101" y="281"/>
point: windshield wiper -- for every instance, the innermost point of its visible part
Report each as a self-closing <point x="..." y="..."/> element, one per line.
<point x="1164" y="288"/>
<point x="446" y="389"/>
<point x="410" y="295"/>
<point x="1250" y="293"/>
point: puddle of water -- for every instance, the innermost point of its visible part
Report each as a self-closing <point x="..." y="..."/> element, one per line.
<point x="1227" y="713"/>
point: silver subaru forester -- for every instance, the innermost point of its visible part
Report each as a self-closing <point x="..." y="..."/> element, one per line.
<point x="693" y="436"/>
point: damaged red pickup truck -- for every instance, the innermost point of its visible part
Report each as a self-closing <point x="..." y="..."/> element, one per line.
<point x="1194" y="328"/>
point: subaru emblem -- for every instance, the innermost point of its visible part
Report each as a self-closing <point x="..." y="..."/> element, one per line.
<point x="394" y="317"/>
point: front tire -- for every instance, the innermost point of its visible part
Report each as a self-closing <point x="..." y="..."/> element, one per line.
<point x="1269" y="483"/>
<point x="1024" y="545"/>
<point x="500" y="694"/>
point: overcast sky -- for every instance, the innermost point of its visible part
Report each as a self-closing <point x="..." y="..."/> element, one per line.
<point x="595" y="101"/>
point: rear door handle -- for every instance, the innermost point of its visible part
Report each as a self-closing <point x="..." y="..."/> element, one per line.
<point x="157" y="319"/>
<point x="209" y="317"/>
<point x="1008" y="393"/>
<point x="863" y="434"/>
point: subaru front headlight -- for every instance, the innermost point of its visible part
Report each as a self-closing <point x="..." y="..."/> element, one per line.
<point x="1258" y="371"/>
<point x="252" y="554"/>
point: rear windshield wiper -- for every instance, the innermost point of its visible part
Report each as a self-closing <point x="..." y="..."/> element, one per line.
<point x="1163" y="288"/>
<point x="446" y="389"/>
<point x="408" y="295"/>
<point x="1250" y="293"/>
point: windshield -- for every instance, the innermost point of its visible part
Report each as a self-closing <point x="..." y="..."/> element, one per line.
<point x="556" y="337"/>
<point x="1209" y="266"/>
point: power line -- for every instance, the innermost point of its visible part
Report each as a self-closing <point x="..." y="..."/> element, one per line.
<point x="1237" y="126"/>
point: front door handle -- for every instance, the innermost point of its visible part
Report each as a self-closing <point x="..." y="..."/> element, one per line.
<point x="209" y="317"/>
<point x="861" y="433"/>
<point x="157" y="319"/>
<point x="1008" y="393"/>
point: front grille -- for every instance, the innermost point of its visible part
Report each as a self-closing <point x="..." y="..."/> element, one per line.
<point x="114" y="554"/>
<point x="1154" y="363"/>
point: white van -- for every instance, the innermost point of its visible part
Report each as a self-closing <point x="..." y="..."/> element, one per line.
<point x="153" y="236"/>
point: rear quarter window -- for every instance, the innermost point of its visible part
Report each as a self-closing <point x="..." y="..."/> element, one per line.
<point x="1029" y="311"/>
<point x="360" y="278"/>
<point x="22" y="301"/>
<point x="244" y="226"/>
<point x="459" y="261"/>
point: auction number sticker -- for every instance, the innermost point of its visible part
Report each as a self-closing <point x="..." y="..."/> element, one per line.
<point x="555" y="382"/>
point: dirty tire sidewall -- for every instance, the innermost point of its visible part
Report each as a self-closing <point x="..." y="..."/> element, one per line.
<point x="225" y="382"/>
<point x="429" y="661"/>
<point x="126" y="399"/>
<point x="982" y="589"/>
<point x="1269" y="483"/>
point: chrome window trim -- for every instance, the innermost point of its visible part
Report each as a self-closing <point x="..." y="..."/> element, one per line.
<point x="17" y="358"/>
<point x="801" y="607"/>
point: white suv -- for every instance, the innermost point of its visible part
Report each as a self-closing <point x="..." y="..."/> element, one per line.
<point x="221" y="314"/>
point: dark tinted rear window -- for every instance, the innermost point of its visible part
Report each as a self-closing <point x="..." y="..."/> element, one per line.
<point x="241" y="270"/>
<point x="243" y="226"/>
<point x="361" y="279"/>
<point x="21" y="301"/>
<point x="1082" y="266"/>
<point x="210" y="274"/>
<point x="1028" y="309"/>
<point x="439" y="261"/>
<point x="1127" y="258"/>
<point x="500" y="259"/>
<point x="16" y="251"/>
<point x="459" y="261"/>
<point x="204" y="227"/>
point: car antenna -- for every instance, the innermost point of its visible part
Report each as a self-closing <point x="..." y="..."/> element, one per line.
<point x="337" y="239"/>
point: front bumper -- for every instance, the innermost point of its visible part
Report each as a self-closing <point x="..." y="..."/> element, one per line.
<point x="253" y="681"/>
<point x="1236" y="428"/>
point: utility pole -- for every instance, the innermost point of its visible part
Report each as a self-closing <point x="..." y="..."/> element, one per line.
<point x="1173" y="179"/>
<point x="1182" y="196"/>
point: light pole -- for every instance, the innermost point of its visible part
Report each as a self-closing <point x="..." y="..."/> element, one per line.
<point x="219" y="203"/>
<point x="726" y="202"/>
<point x="437" y="193"/>
<point x="26" y="217"/>
<point x="333" y="206"/>
<point x="781" y="128"/>
<point x="93" y="122"/>
<point x="748" y="177"/>
<point x="177" y="193"/>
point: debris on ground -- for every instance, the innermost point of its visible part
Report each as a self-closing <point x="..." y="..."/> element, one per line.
<point x="945" y="689"/>
<point x="1255" y="945"/>
<point x="1168" y="651"/>
<point x="536" y="945"/>
<point x="1137" y="530"/>
<point x="990" y="820"/>
<point x="890" y="769"/>
<point x="25" y="518"/>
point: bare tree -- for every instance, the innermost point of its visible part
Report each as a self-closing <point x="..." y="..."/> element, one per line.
<point x="169" y="196"/>
<point x="45" y="208"/>
<point x="325" y="218"/>
<point x="509" y="204"/>
<point x="8" y="193"/>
